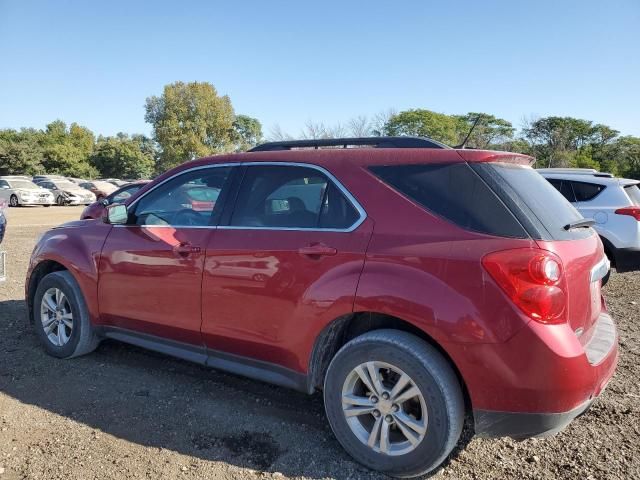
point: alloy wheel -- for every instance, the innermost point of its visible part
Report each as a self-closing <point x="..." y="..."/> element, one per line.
<point x="384" y="408"/>
<point x="56" y="317"/>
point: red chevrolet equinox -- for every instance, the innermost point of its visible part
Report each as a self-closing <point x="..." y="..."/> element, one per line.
<point x="416" y="285"/>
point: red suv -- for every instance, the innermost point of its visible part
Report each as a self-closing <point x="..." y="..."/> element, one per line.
<point x="412" y="283"/>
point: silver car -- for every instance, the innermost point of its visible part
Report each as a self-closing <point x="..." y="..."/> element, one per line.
<point x="612" y="203"/>
<point x="17" y="191"/>
<point x="68" y="193"/>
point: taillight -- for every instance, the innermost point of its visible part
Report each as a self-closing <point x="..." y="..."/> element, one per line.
<point x="631" y="211"/>
<point x="533" y="279"/>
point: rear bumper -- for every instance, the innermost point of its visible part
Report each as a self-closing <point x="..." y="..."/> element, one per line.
<point x="524" y="425"/>
<point x="539" y="381"/>
<point x="627" y="259"/>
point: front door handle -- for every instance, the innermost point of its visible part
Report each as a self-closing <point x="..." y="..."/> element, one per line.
<point x="317" y="250"/>
<point x="185" y="248"/>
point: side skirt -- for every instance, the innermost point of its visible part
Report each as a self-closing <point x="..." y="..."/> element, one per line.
<point x="246" y="367"/>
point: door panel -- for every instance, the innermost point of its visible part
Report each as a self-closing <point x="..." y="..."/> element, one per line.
<point x="151" y="268"/>
<point x="285" y="263"/>
<point x="265" y="298"/>
<point x="150" y="280"/>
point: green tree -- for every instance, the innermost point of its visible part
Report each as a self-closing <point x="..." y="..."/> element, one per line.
<point x="489" y="131"/>
<point x="424" y="123"/>
<point x="247" y="132"/>
<point x="122" y="157"/>
<point x="190" y="120"/>
<point x="67" y="151"/>
<point x="21" y="152"/>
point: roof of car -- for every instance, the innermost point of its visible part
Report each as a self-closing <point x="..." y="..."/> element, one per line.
<point x="582" y="177"/>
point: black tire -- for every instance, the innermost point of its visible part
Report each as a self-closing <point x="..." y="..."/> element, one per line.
<point x="430" y="372"/>
<point x="83" y="338"/>
<point x="13" y="201"/>
<point x="60" y="201"/>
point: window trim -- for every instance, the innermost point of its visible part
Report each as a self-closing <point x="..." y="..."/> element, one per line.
<point x="362" y="214"/>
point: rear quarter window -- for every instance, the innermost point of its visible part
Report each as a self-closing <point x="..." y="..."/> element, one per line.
<point x="586" y="191"/>
<point x="456" y="193"/>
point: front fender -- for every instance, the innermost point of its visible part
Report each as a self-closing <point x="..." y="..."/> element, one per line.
<point x="76" y="247"/>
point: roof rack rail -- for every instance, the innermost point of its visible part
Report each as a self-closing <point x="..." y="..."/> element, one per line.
<point x="376" y="142"/>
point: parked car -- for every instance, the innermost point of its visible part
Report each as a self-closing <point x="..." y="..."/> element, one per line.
<point x="413" y="285"/>
<point x="99" y="188"/>
<point x="614" y="205"/>
<point x="68" y="193"/>
<point x="97" y="208"/>
<point x="18" y="191"/>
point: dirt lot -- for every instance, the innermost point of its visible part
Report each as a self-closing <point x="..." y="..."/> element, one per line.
<point x="122" y="412"/>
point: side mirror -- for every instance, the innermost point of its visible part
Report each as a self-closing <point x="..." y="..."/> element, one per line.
<point x="117" y="215"/>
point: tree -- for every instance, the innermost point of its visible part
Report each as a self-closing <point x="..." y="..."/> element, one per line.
<point x="122" y="157"/>
<point x="489" y="130"/>
<point x="247" y="132"/>
<point x="21" y="152"/>
<point x="190" y="120"/>
<point x="67" y="151"/>
<point x="424" y="123"/>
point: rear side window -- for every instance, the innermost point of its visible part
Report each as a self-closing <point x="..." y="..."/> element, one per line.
<point x="455" y="192"/>
<point x="541" y="209"/>
<point x="633" y="192"/>
<point x="292" y="197"/>
<point x="586" y="191"/>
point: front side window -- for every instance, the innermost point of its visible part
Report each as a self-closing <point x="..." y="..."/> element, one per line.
<point x="188" y="200"/>
<point x="274" y="196"/>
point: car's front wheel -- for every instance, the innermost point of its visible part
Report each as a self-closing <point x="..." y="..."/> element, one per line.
<point x="13" y="201"/>
<point x="394" y="403"/>
<point x="61" y="318"/>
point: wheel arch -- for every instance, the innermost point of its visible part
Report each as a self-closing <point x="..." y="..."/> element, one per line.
<point x="40" y="271"/>
<point x="345" y="328"/>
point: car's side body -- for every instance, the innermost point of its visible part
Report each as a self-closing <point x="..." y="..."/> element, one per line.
<point x="276" y="303"/>
<point x="603" y="198"/>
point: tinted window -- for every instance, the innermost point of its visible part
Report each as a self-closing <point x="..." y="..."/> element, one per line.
<point x="455" y="192"/>
<point x="291" y="197"/>
<point x="564" y="188"/>
<point x="541" y="209"/>
<point x="586" y="191"/>
<point x="634" y="193"/>
<point x="175" y="204"/>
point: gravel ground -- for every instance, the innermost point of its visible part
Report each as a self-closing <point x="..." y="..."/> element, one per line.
<point x="122" y="412"/>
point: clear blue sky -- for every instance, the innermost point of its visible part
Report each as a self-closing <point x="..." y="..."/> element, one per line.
<point x="289" y="62"/>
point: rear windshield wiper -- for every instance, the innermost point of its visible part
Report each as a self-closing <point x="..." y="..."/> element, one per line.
<point x="582" y="223"/>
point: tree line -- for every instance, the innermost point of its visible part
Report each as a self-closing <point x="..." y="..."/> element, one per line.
<point x="191" y="120"/>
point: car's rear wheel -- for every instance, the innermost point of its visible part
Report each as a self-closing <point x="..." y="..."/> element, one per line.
<point x="60" y="201"/>
<point x="394" y="403"/>
<point x="61" y="317"/>
<point x="13" y="201"/>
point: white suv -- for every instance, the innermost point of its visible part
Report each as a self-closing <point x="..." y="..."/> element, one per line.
<point x="613" y="203"/>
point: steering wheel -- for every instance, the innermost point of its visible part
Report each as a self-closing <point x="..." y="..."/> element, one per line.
<point x="188" y="218"/>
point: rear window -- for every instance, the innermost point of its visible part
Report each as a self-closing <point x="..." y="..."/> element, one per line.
<point x="633" y="192"/>
<point x="539" y="207"/>
<point x="455" y="192"/>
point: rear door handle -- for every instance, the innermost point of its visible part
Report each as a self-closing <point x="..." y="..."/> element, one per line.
<point x="317" y="250"/>
<point x="185" y="248"/>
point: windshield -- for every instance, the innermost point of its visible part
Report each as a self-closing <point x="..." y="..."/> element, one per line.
<point x="634" y="193"/>
<point x="23" y="184"/>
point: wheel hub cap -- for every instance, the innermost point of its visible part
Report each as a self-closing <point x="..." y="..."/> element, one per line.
<point x="384" y="408"/>
<point x="56" y="317"/>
